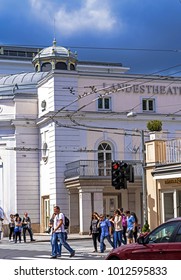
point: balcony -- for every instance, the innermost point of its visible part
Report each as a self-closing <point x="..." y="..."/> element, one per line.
<point x="93" y="168"/>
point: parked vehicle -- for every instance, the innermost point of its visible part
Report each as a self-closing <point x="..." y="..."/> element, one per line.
<point x="163" y="243"/>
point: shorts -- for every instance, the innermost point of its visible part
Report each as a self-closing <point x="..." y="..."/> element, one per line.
<point x="130" y="234"/>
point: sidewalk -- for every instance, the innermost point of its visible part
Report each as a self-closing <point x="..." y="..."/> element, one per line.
<point x="45" y="237"/>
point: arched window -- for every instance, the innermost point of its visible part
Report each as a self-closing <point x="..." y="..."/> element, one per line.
<point x="104" y="159"/>
<point x="61" y="66"/>
<point x="46" y="67"/>
<point x="72" y="66"/>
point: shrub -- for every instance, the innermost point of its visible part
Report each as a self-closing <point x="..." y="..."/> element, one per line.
<point x="146" y="227"/>
<point x="154" y="125"/>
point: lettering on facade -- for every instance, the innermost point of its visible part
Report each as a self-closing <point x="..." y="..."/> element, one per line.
<point x="173" y="181"/>
<point x="151" y="89"/>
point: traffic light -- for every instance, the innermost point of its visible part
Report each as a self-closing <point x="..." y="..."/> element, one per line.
<point x="121" y="173"/>
<point x="129" y="174"/>
<point x="118" y="175"/>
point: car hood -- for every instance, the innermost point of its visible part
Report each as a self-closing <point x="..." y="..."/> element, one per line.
<point x="122" y="248"/>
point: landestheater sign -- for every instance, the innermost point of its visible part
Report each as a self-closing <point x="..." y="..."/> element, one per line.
<point x="150" y="89"/>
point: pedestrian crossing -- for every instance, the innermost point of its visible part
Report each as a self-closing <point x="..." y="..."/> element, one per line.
<point x="42" y="250"/>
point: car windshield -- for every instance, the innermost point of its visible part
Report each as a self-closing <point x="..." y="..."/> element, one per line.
<point x="162" y="234"/>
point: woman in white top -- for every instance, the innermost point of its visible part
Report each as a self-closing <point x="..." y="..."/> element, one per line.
<point x="118" y="230"/>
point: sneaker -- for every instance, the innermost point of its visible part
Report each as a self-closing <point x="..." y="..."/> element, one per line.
<point x="72" y="254"/>
<point x="53" y="257"/>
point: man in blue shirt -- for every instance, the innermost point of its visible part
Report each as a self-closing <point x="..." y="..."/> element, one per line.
<point x="130" y="226"/>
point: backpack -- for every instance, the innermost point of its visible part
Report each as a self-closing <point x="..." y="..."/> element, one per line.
<point x="67" y="222"/>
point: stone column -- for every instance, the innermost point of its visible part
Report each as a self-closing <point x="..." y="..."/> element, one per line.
<point x="90" y="199"/>
<point x="84" y="210"/>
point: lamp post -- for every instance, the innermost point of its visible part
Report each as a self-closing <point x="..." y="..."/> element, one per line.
<point x="144" y="186"/>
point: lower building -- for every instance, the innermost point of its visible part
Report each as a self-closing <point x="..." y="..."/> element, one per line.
<point x="163" y="171"/>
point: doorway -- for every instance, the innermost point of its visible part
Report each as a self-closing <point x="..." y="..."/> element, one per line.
<point x="171" y="204"/>
<point x="110" y="204"/>
<point x="46" y="212"/>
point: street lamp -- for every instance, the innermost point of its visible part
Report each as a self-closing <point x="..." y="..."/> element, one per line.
<point x="143" y="164"/>
<point x="144" y="186"/>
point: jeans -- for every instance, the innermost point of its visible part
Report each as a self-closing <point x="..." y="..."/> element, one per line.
<point x="95" y="238"/>
<point x="29" y="231"/>
<point x="124" y="234"/>
<point x="117" y="238"/>
<point x="62" y="236"/>
<point x="54" y="243"/>
<point x="102" y="245"/>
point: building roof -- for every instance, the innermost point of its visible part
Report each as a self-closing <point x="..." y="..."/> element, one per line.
<point x="55" y="51"/>
<point x="22" y="78"/>
<point x="11" y="84"/>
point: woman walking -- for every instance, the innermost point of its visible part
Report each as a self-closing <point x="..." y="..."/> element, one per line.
<point x="117" y="234"/>
<point x="94" y="230"/>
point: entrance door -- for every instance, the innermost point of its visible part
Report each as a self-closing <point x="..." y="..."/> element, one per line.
<point x="178" y="203"/>
<point x="46" y="212"/>
<point x="171" y="204"/>
<point x="110" y="204"/>
<point x="168" y="204"/>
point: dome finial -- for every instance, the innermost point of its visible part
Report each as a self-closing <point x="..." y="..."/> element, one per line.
<point x="54" y="42"/>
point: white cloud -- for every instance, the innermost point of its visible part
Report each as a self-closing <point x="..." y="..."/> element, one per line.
<point x="91" y="15"/>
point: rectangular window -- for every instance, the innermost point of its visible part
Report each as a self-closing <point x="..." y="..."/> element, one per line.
<point x="148" y="105"/>
<point x="104" y="103"/>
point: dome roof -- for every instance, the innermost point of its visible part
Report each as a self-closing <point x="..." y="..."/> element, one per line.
<point x="55" y="52"/>
<point x="24" y="82"/>
<point x="22" y="79"/>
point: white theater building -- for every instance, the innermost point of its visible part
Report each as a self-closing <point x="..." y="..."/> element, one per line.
<point x="63" y="121"/>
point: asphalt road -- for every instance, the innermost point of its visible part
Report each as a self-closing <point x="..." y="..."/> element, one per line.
<point x="42" y="250"/>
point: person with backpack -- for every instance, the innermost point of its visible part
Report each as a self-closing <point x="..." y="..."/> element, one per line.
<point x="124" y="225"/>
<point x="105" y="226"/>
<point x="59" y="234"/>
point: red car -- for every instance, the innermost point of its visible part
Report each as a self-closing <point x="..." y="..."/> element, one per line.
<point x="163" y="243"/>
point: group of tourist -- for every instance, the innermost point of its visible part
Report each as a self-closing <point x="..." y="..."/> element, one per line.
<point x="121" y="228"/>
<point x="17" y="226"/>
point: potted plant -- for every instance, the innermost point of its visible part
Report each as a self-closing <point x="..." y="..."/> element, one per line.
<point x="145" y="230"/>
<point x="146" y="227"/>
<point x="154" y="126"/>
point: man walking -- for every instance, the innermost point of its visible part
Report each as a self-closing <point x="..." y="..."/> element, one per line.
<point x="130" y="226"/>
<point x="59" y="233"/>
<point x="26" y="223"/>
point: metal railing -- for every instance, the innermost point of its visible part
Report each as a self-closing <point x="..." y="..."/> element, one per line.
<point x="173" y="151"/>
<point x="93" y="168"/>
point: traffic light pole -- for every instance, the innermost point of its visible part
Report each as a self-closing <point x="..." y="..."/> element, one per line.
<point x="144" y="188"/>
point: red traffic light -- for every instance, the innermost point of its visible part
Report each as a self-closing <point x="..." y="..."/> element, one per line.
<point x="115" y="166"/>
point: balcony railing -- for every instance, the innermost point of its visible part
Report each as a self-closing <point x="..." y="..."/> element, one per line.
<point x="173" y="151"/>
<point x="93" y="168"/>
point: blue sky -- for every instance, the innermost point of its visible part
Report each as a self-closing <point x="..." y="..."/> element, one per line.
<point x="120" y="29"/>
